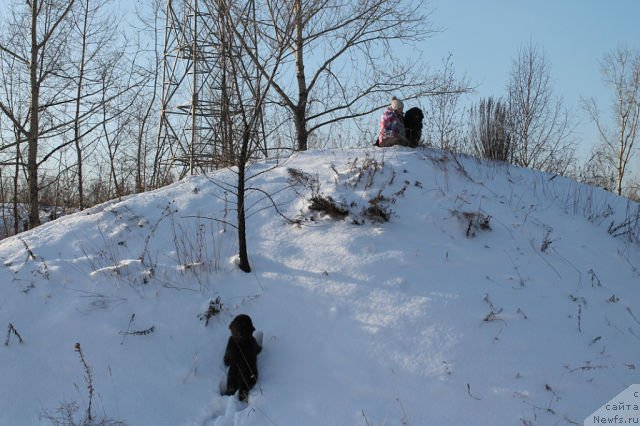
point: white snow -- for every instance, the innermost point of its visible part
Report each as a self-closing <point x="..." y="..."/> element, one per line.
<point x="408" y="322"/>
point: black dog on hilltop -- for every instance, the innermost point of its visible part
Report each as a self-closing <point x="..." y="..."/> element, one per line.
<point x="241" y="357"/>
<point x="413" y="125"/>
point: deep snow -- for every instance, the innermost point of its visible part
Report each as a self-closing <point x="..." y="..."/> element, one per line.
<point x="422" y="320"/>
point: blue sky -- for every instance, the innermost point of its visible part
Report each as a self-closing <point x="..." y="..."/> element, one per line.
<point x="485" y="36"/>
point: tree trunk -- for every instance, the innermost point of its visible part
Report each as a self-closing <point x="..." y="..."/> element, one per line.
<point x="3" y="203"/>
<point x="620" y="165"/>
<point x="303" y="91"/>
<point x="76" y="121"/>
<point x="242" y="226"/>
<point x="32" y="137"/>
<point x="140" y="161"/>
<point x="16" y="180"/>
<point x="302" y="134"/>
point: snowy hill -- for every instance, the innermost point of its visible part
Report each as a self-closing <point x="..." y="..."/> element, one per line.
<point x="492" y="296"/>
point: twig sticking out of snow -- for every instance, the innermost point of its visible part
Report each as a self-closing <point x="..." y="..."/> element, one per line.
<point x="488" y="301"/>
<point x="12" y="330"/>
<point x="30" y="254"/>
<point x="43" y="269"/>
<point x="136" y="332"/>
<point x="580" y="301"/>
<point x="88" y="379"/>
<point x="124" y="335"/>
<point x="469" y="393"/>
<point x="580" y="318"/>
<point x="493" y="315"/>
<point x="365" y="419"/>
<point x="546" y="239"/>
<point x="404" y="419"/>
<point x="633" y="316"/>
<point x="588" y="367"/>
<point x="215" y="307"/>
<point x="143" y="332"/>
<point x="595" y="281"/>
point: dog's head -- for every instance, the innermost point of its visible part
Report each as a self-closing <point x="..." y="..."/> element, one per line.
<point x="413" y="118"/>
<point x="242" y="326"/>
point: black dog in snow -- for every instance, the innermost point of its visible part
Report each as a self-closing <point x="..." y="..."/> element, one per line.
<point x="413" y="125"/>
<point x="241" y="357"/>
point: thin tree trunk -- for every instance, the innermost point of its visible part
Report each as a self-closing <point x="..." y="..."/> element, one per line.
<point x="76" y="121"/>
<point x="242" y="226"/>
<point x="303" y="92"/>
<point x="3" y="204"/>
<point x="620" y="165"/>
<point x="111" y="149"/>
<point x="16" y="178"/>
<point x="141" y="161"/>
<point x="32" y="137"/>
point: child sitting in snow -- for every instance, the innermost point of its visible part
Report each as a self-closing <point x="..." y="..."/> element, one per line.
<point x="392" y="131"/>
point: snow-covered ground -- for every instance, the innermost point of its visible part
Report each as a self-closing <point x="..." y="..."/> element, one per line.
<point x="493" y="296"/>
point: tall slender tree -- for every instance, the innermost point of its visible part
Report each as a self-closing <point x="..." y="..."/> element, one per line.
<point x="444" y="114"/>
<point x="540" y="124"/>
<point x="14" y="94"/>
<point x="620" y="71"/>
<point x="43" y="58"/>
<point x="94" y="33"/>
<point x="247" y="88"/>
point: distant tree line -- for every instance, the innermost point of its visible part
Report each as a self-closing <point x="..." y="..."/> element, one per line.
<point x="531" y="127"/>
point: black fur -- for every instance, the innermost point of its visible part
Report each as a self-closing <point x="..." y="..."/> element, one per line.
<point x="241" y="357"/>
<point x="413" y="125"/>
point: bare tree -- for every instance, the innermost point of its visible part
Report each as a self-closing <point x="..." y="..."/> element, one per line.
<point x="489" y="135"/>
<point x="61" y="56"/>
<point x="540" y="124"/>
<point x="621" y="73"/>
<point x="14" y="97"/>
<point x="247" y="90"/>
<point x="343" y="57"/>
<point x="94" y="34"/>
<point x="598" y="170"/>
<point x="444" y="117"/>
<point x="145" y="109"/>
<point x="36" y="41"/>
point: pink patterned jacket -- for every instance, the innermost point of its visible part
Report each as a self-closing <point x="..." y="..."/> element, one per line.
<point x="391" y="125"/>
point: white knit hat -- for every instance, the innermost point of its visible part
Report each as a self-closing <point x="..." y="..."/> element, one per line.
<point x="396" y="104"/>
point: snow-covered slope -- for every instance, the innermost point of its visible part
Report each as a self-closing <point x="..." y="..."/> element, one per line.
<point x="493" y="296"/>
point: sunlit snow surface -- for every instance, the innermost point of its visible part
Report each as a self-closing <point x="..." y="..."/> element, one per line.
<point x="421" y="320"/>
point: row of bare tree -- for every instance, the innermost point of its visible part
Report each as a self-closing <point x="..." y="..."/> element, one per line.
<point x="81" y="96"/>
<point x="530" y="126"/>
<point x="80" y="93"/>
<point x="72" y="97"/>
